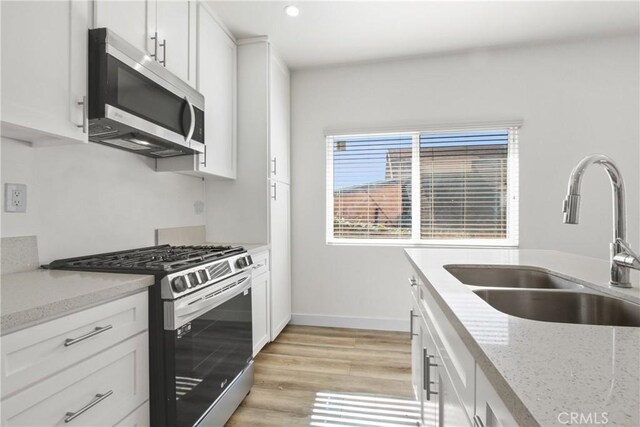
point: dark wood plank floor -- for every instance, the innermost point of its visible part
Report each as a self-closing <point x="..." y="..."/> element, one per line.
<point x="312" y="376"/>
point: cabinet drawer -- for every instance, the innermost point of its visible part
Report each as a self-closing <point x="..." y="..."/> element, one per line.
<point x="260" y="263"/>
<point x="138" y="418"/>
<point x="32" y="354"/>
<point x="457" y="360"/>
<point x="120" y="375"/>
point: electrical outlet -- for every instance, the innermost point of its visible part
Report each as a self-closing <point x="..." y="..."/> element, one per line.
<point x="15" y="197"/>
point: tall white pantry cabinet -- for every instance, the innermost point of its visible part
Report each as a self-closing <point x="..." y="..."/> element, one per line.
<point x="255" y="207"/>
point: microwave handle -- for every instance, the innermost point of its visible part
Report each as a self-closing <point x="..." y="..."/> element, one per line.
<point x="192" y="126"/>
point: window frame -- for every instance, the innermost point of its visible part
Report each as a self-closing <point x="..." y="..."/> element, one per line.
<point x="513" y="184"/>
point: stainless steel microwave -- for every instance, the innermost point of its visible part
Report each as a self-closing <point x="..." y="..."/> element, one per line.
<point x="137" y="105"/>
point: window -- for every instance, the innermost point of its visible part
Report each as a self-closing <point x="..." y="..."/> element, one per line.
<point x="434" y="187"/>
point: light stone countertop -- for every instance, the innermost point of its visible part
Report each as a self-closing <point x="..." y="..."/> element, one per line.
<point x="32" y="297"/>
<point x="541" y="369"/>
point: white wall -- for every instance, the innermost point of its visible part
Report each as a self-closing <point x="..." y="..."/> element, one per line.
<point x="574" y="98"/>
<point x="85" y="199"/>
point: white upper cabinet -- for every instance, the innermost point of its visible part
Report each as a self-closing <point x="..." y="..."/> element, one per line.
<point x="217" y="54"/>
<point x="216" y="80"/>
<point x="131" y="20"/>
<point x="44" y="70"/>
<point x="279" y="100"/>
<point x="164" y="29"/>
<point x="175" y="25"/>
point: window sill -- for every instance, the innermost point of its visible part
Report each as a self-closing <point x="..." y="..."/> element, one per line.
<point x="461" y="244"/>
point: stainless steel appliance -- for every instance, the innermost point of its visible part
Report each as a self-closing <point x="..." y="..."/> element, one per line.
<point x="200" y="327"/>
<point x="137" y="105"/>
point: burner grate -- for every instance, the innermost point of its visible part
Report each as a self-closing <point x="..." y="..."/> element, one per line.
<point x="155" y="259"/>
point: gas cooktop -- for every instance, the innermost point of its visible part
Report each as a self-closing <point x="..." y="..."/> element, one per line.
<point x="163" y="259"/>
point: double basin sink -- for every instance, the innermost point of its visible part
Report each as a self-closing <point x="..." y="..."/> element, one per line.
<point x="537" y="294"/>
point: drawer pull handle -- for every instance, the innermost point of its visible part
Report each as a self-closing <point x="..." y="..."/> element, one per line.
<point x="70" y="416"/>
<point x="413" y="281"/>
<point x="96" y="331"/>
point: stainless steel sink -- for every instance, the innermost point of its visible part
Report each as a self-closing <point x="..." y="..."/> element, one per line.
<point x="564" y="307"/>
<point x="500" y="276"/>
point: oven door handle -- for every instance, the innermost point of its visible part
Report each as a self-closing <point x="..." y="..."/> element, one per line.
<point x="212" y="302"/>
<point x="176" y="316"/>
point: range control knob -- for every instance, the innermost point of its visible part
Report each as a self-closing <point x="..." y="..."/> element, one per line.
<point x="194" y="279"/>
<point x="204" y="276"/>
<point x="242" y="263"/>
<point x="179" y="284"/>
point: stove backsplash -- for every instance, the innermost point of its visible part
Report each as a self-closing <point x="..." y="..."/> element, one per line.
<point x="91" y="199"/>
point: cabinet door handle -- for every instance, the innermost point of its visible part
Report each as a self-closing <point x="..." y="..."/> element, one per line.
<point x="163" y="45"/>
<point x="275" y="166"/>
<point x="275" y="191"/>
<point x="85" y="115"/>
<point x="411" y="316"/>
<point x="413" y="281"/>
<point x="154" y="55"/>
<point x="411" y="324"/>
<point x="70" y="416"/>
<point x="204" y="156"/>
<point x="96" y="331"/>
<point x="477" y="421"/>
<point x="427" y="374"/>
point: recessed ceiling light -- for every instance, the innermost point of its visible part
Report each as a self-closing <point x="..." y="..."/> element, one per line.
<point x="292" y="10"/>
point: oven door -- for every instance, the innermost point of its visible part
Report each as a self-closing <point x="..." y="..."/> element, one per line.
<point x="209" y="347"/>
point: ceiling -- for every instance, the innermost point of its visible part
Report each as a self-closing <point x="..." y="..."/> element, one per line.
<point x="338" y="32"/>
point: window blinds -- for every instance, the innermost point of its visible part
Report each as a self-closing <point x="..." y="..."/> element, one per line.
<point x="463" y="185"/>
<point x="456" y="187"/>
<point x="371" y="187"/>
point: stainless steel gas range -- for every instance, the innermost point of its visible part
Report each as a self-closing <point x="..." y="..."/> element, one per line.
<point x="201" y="365"/>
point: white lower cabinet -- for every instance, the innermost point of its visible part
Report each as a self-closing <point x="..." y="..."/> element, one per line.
<point x="491" y="411"/>
<point x="87" y="368"/>
<point x="260" y="307"/>
<point x="416" y="352"/>
<point x="138" y="418"/>
<point x="451" y="388"/>
<point x="430" y="378"/>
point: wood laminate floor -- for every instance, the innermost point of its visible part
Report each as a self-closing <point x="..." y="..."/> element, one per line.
<point x="312" y="376"/>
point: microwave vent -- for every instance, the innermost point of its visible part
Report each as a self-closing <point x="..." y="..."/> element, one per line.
<point x="168" y="153"/>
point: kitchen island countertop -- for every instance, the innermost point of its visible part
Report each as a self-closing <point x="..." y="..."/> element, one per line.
<point x="542" y="369"/>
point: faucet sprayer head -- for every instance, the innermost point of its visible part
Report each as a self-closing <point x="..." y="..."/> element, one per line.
<point x="571" y="209"/>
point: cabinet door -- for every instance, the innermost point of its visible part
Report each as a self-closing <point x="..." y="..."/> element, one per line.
<point x="176" y="34"/>
<point x="490" y="409"/>
<point x="280" y="258"/>
<point x="279" y="105"/>
<point x="416" y="352"/>
<point x="429" y="389"/>
<point x="133" y="20"/>
<point x="260" y="311"/>
<point x="451" y="411"/>
<point x="44" y="47"/>
<point x="217" y="59"/>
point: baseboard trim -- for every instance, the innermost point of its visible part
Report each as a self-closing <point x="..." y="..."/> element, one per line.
<point x="376" y="323"/>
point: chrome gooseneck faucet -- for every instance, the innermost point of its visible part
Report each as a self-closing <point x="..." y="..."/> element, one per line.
<point x="622" y="257"/>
